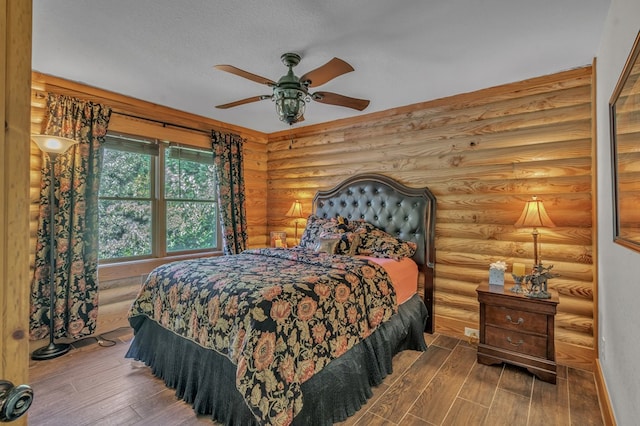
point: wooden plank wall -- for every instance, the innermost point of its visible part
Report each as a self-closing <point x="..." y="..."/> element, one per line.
<point x="483" y="154"/>
<point x="119" y="284"/>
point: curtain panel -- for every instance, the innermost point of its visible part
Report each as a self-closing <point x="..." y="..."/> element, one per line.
<point x="228" y="161"/>
<point x="75" y="226"/>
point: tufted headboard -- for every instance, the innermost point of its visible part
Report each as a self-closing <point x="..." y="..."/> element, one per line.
<point x="407" y="213"/>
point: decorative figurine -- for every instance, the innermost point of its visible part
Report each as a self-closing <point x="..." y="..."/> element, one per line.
<point x="536" y="282"/>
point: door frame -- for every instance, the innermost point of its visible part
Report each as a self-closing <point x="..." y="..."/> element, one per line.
<point x="15" y="111"/>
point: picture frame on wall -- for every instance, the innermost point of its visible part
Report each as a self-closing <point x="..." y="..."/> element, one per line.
<point x="624" y="110"/>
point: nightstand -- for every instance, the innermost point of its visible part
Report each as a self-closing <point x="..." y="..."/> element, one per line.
<point x="518" y="330"/>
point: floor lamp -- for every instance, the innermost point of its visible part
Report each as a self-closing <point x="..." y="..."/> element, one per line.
<point x="296" y="212"/>
<point x="52" y="146"/>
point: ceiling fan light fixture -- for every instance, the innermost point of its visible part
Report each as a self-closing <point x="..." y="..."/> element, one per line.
<point x="290" y="104"/>
<point x="291" y="93"/>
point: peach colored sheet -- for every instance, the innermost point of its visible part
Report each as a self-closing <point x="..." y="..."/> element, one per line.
<point x="403" y="273"/>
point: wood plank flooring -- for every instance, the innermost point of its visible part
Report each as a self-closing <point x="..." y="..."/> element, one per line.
<point x="95" y="385"/>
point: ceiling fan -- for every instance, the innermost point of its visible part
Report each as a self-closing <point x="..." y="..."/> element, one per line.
<point x="291" y="93"/>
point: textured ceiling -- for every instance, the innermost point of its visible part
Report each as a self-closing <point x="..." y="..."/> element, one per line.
<point x="403" y="51"/>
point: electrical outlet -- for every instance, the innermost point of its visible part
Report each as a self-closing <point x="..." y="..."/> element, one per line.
<point x="471" y="332"/>
<point x="473" y="335"/>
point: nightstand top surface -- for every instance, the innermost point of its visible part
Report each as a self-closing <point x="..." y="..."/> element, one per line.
<point x="505" y="290"/>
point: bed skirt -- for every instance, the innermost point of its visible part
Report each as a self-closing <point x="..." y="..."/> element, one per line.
<point x="206" y="379"/>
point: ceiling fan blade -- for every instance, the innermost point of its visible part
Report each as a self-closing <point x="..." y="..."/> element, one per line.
<point x="243" y="101"/>
<point x="341" y="100"/>
<point x="242" y="73"/>
<point x="326" y="72"/>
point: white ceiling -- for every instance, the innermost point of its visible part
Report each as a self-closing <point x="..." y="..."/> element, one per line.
<point x="403" y="51"/>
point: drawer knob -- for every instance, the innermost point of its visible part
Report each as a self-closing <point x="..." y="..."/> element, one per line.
<point x="519" y="322"/>
<point x="518" y="343"/>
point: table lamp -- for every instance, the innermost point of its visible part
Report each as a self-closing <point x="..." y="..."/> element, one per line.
<point x="296" y="212"/>
<point x="534" y="215"/>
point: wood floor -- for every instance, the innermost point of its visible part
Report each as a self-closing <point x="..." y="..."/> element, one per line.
<point x="95" y="385"/>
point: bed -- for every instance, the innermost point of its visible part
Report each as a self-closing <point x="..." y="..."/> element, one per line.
<point x="242" y="342"/>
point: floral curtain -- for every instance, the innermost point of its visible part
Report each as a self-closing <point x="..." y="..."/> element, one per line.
<point x="76" y="221"/>
<point x="227" y="158"/>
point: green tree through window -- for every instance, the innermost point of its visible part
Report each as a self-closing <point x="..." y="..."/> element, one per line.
<point x="155" y="200"/>
<point x="189" y="194"/>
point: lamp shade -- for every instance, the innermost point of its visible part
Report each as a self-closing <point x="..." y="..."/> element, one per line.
<point x="53" y="144"/>
<point x="534" y="215"/>
<point x="295" y="210"/>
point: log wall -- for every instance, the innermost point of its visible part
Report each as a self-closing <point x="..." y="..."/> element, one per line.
<point x="483" y="155"/>
<point x="120" y="283"/>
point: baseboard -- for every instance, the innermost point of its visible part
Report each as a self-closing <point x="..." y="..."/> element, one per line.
<point x="452" y="327"/>
<point x="574" y="356"/>
<point x="603" y="395"/>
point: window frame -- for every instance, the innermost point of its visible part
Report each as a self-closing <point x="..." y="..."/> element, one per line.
<point x="159" y="252"/>
<point x="162" y="215"/>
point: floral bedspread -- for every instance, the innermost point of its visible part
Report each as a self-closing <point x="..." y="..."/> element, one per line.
<point x="279" y="315"/>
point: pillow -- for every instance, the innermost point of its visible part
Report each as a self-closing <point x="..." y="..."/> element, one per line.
<point x="377" y="243"/>
<point x="327" y="245"/>
<point x="343" y="224"/>
<point x="318" y="225"/>
<point x="347" y="242"/>
<point x="311" y="234"/>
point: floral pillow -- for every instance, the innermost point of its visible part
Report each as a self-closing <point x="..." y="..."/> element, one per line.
<point x="311" y="235"/>
<point x="377" y="243"/>
<point x="347" y="242"/>
<point x="317" y="225"/>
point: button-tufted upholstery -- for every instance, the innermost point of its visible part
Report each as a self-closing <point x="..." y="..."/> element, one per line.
<point x="407" y="213"/>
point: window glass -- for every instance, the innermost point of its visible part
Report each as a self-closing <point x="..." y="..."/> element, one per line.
<point x="125" y="205"/>
<point x="125" y="229"/>
<point x="125" y="174"/>
<point x="190" y="194"/>
<point x="191" y="225"/>
<point x="134" y="175"/>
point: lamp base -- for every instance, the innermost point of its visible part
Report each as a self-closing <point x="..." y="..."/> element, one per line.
<point x="53" y="350"/>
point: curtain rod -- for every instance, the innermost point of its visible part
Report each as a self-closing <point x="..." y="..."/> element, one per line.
<point x="41" y="95"/>
<point x="164" y="124"/>
<point x="155" y="142"/>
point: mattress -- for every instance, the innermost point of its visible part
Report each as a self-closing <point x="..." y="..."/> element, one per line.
<point x="403" y="274"/>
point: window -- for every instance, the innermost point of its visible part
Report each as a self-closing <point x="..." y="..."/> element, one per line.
<point x="189" y="193"/>
<point x="155" y="200"/>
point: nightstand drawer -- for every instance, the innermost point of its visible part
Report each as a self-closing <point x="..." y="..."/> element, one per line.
<point x="513" y="319"/>
<point x="517" y="329"/>
<point x="515" y="341"/>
